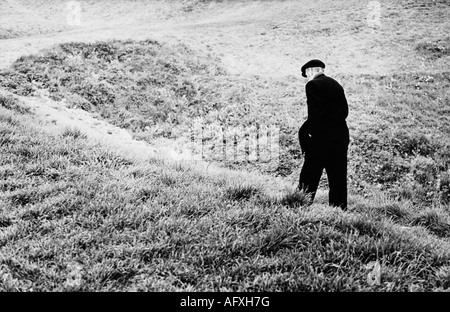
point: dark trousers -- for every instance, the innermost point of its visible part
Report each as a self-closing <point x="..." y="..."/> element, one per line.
<point x="331" y="156"/>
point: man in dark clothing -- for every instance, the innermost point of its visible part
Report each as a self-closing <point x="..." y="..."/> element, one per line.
<point x="324" y="136"/>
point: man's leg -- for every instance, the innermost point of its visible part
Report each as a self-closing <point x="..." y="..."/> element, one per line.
<point x="336" y="168"/>
<point x="311" y="173"/>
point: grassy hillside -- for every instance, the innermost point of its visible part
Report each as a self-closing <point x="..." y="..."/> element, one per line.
<point x="27" y="18"/>
<point x="398" y="124"/>
<point x="75" y="216"/>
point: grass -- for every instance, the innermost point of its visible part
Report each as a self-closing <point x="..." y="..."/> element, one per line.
<point x="399" y="132"/>
<point x="74" y="133"/>
<point x="76" y="217"/>
<point x="12" y="104"/>
<point x="242" y="192"/>
<point x="434" y="49"/>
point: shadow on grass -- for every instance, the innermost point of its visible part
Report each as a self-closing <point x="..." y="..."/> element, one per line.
<point x="433" y="223"/>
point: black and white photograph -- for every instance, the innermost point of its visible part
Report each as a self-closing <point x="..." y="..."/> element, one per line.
<point x="228" y="151"/>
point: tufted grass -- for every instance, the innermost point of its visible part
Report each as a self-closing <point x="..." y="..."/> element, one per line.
<point x="76" y="217"/>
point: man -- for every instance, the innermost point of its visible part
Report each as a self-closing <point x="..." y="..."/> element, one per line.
<point x="324" y="136"/>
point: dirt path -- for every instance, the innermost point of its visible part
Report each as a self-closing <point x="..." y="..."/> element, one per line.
<point x="57" y="117"/>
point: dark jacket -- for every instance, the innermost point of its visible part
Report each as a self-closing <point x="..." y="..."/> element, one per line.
<point x="327" y="111"/>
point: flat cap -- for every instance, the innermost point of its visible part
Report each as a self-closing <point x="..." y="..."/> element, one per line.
<point x="312" y="63"/>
